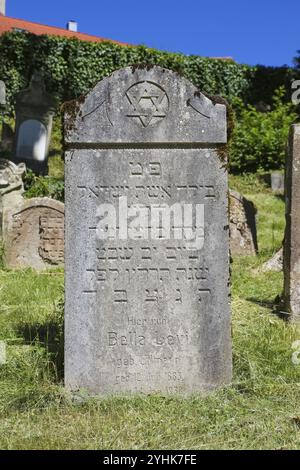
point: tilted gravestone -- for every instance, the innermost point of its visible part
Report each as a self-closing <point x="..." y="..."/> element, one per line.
<point x="291" y="248"/>
<point x="243" y="236"/>
<point x="147" y="250"/>
<point x="34" y="114"/>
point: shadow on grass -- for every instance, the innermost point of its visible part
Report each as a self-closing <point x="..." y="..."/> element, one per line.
<point x="277" y="306"/>
<point x="264" y="303"/>
<point x="280" y="196"/>
<point x="49" y="335"/>
<point x="54" y="152"/>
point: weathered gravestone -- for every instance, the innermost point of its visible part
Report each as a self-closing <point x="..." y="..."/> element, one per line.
<point x="32" y="230"/>
<point x="277" y="182"/>
<point x="291" y="248"/>
<point x="147" y="285"/>
<point x="2" y="93"/>
<point x="11" y="187"/>
<point x="243" y="236"/>
<point x="34" y="114"/>
<point x="34" y="234"/>
<point x="275" y="263"/>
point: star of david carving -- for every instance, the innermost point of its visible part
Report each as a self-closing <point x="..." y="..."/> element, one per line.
<point x="148" y="101"/>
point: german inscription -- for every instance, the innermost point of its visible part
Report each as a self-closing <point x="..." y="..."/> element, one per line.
<point x="147" y="264"/>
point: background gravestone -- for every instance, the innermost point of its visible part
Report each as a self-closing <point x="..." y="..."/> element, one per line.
<point x="277" y="182"/>
<point x="275" y="263"/>
<point x="2" y="93"/>
<point x="11" y="187"/>
<point x="291" y="247"/>
<point x="243" y="236"/>
<point x="33" y="233"/>
<point x="146" y="315"/>
<point x="34" y="114"/>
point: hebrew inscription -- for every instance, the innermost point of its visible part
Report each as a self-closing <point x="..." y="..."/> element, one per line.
<point x="147" y="258"/>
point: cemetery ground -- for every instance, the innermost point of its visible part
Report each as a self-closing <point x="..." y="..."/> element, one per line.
<point x="260" y="410"/>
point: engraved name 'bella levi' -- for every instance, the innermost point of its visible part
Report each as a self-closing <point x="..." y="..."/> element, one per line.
<point x="133" y="339"/>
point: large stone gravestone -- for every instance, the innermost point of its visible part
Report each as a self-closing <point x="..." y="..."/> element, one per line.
<point x="34" y="114"/>
<point x="291" y="248"/>
<point x="147" y="249"/>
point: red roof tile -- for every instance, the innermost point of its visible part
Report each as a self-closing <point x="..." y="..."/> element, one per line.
<point x="10" y="24"/>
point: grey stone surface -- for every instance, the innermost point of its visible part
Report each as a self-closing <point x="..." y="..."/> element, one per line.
<point x="2" y="93"/>
<point x="291" y="249"/>
<point x="2" y="7"/>
<point x="11" y="186"/>
<point x="277" y="182"/>
<point x="34" y="114"/>
<point x="275" y="263"/>
<point x="243" y="236"/>
<point x="145" y="314"/>
<point x="144" y="112"/>
<point x="11" y="177"/>
<point x="32" y="230"/>
<point x="33" y="233"/>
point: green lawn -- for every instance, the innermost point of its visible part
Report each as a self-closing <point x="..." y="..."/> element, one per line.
<point x="260" y="410"/>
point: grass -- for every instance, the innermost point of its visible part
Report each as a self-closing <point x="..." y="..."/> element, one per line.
<point x="270" y="211"/>
<point x="260" y="410"/>
<point x="56" y="164"/>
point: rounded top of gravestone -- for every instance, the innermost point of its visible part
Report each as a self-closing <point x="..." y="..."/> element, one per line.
<point x="145" y="105"/>
<point x="35" y="98"/>
<point x="37" y="81"/>
<point x="43" y="202"/>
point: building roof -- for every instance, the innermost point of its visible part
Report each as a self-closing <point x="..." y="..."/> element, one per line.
<point x="14" y="24"/>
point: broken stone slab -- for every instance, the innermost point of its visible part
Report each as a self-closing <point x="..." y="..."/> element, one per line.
<point x="11" y="186"/>
<point x="275" y="263"/>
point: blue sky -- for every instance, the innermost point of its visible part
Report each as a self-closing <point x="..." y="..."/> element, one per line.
<point x="251" y="31"/>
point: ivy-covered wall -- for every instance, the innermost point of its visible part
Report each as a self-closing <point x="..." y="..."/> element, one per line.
<point x="71" y="67"/>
